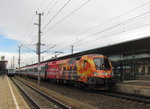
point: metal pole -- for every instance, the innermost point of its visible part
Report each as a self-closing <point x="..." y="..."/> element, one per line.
<point x="13" y="62"/>
<point x="39" y="47"/>
<point x="19" y="60"/>
<point x="72" y="49"/>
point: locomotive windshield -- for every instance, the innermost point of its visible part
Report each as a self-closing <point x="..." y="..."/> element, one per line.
<point x="11" y="70"/>
<point x="102" y="63"/>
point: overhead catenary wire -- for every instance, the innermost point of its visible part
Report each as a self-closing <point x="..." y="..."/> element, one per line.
<point x="106" y="21"/>
<point x="48" y="49"/>
<point x="28" y="60"/>
<point x="34" y="39"/>
<point x="72" y="13"/>
<point x="50" y="8"/>
<point x="25" y="54"/>
<point x="127" y="21"/>
<point x="48" y="5"/>
<point x="29" y="48"/>
<point x="119" y="32"/>
<point x="98" y="24"/>
<point x="31" y="23"/>
<point x="115" y="18"/>
<point x="54" y="52"/>
<point x="106" y="37"/>
<point x="137" y="8"/>
<point x="31" y="39"/>
<point x="25" y="46"/>
<point x="31" y="32"/>
<point x="119" y="24"/>
<point x="56" y="14"/>
<point x="67" y="16"/>
<point x="103" y="44"/>
<point x="40" y="5"/>
<point x="28" y="30"/>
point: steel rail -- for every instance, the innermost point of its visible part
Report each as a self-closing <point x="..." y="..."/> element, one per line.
<point x="62" y="105"/>
<point x="28" y="97"/>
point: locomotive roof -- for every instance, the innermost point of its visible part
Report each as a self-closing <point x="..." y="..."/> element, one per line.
<point x="65" y="57"/>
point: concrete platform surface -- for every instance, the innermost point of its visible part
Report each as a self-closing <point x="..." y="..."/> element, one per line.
<point x="138" y="82"/>
<point x="137" y="87"/>
<point x="10" y="98"/>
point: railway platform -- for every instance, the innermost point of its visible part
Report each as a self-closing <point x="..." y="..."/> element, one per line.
<point x="137" y="87"/>
<point x="10" y="97"/>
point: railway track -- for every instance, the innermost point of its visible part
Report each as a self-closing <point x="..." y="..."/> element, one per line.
<point x="38" y="99"/>
<point x="97" y="99"/>
<point x="136" y="98"/>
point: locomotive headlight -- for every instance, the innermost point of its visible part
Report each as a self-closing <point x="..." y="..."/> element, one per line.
<point x="109" y="73"/>
<point x="95" y="73"/>
<point x="105" y="73"/>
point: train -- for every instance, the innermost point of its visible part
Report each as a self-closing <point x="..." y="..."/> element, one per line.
<point x="90" y="70"/>
<point x="11" y="72"/>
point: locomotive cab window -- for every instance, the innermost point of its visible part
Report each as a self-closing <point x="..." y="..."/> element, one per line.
<point x="101" y="63"/>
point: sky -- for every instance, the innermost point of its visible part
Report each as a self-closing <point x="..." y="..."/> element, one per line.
<point x="85" y="24"/>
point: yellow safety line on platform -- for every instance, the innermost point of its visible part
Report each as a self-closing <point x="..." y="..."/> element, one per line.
<point x="14" y="98"/>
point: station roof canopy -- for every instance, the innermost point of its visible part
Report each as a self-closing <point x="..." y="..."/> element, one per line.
<point x="126" y="48"/>
<point x="141" y="45"/>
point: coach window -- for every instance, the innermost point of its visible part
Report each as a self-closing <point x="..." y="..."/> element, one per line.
<point x="35" y="70"/>
<point x="30" y="70"/>
<point x="46" y="67"/>
<point x="42" y="69"/>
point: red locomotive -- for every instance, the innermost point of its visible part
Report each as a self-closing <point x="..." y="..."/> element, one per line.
<point x="93" y="70"/>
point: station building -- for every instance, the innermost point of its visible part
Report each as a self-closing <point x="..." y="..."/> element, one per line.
<point x="3" y="64"/>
